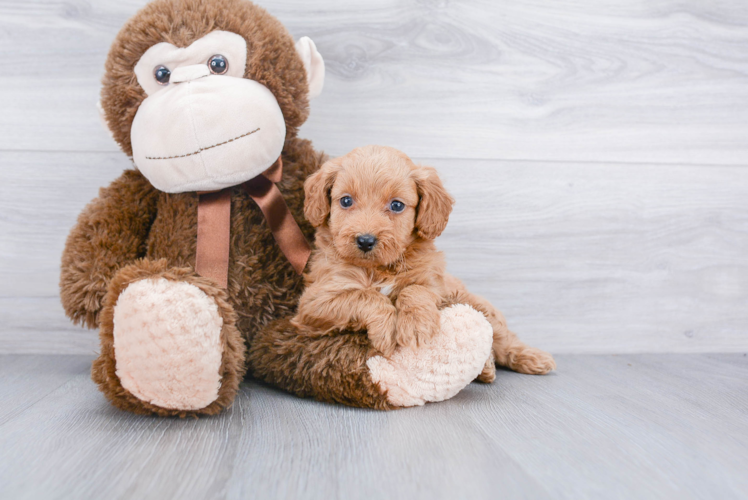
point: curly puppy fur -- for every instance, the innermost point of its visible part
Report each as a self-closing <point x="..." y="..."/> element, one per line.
<point x="395" y="289"/>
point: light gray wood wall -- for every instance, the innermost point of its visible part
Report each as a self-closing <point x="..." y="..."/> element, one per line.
<point x="597" y="150"/>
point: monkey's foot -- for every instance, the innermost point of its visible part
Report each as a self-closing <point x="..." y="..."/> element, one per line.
<point x="168" y="344"/>
<point x="443" y="367"/>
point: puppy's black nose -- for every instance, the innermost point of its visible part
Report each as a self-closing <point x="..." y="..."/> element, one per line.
<point x="366" y="242"/>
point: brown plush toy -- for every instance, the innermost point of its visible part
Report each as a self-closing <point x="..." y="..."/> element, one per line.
<point x="189" y="265"/>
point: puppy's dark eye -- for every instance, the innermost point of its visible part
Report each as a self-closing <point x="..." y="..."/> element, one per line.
<point x="397" y="206"/>
<point x="218" y="64"/>
<point x="162" y="74"/>
<point x="346" y="201"/>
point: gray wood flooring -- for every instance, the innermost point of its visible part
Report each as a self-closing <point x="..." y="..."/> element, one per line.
<point x="604" y="426"/>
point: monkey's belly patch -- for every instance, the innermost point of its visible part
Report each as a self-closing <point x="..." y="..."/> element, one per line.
<point x="167" y="344"/>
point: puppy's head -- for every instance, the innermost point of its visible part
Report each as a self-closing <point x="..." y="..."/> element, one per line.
<point x="376" y="202"/>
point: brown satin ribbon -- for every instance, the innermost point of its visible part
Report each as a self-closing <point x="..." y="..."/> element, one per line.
<point x="286" y="231"/>
<point x="214" y="225"/>
<point x="213" y="235"/>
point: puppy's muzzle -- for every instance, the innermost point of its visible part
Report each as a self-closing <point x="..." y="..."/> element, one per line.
<point x="366" y="242"/>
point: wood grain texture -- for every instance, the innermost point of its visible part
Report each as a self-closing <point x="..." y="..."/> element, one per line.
<point x="662" y="81"/>
<point x="580" y="257"/>
<point x="582" y="253"/>
<point x="26" y="380"/>
<point x="629" y="426"/>
<point x="605" y="258"/>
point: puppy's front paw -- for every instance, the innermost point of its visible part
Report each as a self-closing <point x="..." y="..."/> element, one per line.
<point x="382" y="331"/>
<point x="417" y="325"/>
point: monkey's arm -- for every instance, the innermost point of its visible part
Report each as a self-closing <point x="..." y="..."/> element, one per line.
<point x="111" y="232"/>
<point x="329" y="308"/>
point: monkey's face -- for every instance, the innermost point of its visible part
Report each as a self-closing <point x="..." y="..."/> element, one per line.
<point x="204" y="93"/>
<point x="203" y="126"/>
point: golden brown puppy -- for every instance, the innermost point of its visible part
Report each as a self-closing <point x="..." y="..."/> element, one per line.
<point x="375" y="266"/>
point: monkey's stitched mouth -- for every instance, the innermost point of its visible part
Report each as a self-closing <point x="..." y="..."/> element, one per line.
<point x="202" y="149"/>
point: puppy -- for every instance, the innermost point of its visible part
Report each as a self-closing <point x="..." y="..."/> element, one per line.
<point x="375" y="266"/>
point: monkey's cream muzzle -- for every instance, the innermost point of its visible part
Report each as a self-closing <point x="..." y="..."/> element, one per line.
<point x="203" y="131"/>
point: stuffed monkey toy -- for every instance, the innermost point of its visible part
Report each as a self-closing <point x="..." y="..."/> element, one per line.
<point x="190" y="263"/>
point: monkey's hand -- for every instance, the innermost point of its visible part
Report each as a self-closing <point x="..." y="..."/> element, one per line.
<point x="325" y="307"/>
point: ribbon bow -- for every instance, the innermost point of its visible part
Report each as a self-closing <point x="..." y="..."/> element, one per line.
<point x="214" y="225"/>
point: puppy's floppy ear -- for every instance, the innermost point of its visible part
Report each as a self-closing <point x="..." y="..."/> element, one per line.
<point x="317" y="192"/>
<point x="435" y="203"/>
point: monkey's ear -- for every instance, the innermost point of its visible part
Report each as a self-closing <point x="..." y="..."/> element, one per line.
<point x="435" y="203"/>
<point x="314" y="65"/>
<point x="317" y="192"/>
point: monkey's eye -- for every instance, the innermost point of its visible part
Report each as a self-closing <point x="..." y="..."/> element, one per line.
<point x="346" y="201"/>
<point x="162" y="74"/>
<point x="397" y="206"/>
<point x="218" y="64"/>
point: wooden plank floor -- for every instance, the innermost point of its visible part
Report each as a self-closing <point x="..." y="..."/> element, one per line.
<point x="613" y="426"/>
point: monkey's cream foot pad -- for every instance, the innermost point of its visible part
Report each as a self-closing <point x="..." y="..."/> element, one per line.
<point x="440" y="369"/>
<point x="167" y="344"/>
